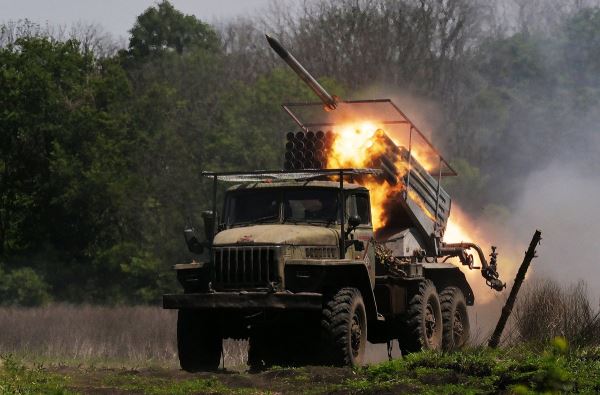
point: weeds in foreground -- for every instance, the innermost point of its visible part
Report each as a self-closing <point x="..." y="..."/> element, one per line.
<point x="523" y="370"/>
<point x="547" y="310"/>
<point x="15" y="378"/>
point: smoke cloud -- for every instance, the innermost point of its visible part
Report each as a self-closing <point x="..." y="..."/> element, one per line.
<point x="562" y="201"/>
<point x="559" y="197"/>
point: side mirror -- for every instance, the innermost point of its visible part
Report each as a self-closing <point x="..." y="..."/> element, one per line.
<point x="354" y="221"/>
<point x="191" y="239"/>
<point x="209" y="225"/>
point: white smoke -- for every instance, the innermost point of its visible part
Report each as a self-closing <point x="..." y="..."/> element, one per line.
<point x="562" y="201"/>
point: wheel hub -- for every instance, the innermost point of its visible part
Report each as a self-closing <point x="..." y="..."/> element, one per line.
<point x="355" y="335"/>
<point x="457" y="327"/>
<point x="430" y="323"/>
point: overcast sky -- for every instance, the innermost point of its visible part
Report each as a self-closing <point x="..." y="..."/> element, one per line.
<point x="118" y="16"/>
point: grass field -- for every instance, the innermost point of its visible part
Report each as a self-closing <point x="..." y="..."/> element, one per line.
<point x="63" y="349"/>
<point x="132" y="336"/>
<point x="555" y="369"/>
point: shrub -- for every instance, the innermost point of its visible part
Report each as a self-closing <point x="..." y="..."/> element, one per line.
<point x="547" y="310"/>
<point x="23" y="287"/>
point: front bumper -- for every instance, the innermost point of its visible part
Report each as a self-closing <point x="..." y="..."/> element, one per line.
<point x="244" y="301"/>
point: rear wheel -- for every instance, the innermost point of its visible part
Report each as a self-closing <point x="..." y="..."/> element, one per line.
<point x="455" y="318"/>
<point x="199" y="342"/>
<point x="344" y="328"/>
<point x="423" y="328"/>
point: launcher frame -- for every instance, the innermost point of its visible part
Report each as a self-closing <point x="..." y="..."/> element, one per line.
<point x="385" y="113"/>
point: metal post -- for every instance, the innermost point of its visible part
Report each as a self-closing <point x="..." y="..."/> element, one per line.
<point x="215" y="227"/>
<point x="510" y="302"/>
<point x="437" y="195"/>
<point x="214" y="207"/>
<point x="409" y="162"/>
<point x="342" y="217"/>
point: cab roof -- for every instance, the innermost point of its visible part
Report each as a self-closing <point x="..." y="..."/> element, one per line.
<point x="305" y="178"/>
<point x="297" y="184"/>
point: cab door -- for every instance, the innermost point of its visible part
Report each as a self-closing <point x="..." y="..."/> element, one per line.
<point x="358" y="203"/>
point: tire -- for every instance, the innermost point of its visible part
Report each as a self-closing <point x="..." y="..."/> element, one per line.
<point x="423" y="328"/>
<point x="455" y="319"/>
<point x="344" y="328"/>
<point x="199" y="343"/>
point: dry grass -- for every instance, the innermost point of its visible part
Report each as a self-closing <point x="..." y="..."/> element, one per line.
<point x="547" y="309"/>
<point x="146" y="336"/>
<point x="137" y="335"/>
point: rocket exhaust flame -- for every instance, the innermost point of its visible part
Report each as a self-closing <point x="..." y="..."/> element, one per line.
<point x="358" y="145"/>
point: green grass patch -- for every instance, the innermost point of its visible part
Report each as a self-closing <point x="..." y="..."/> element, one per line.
<point x="554" y="369"/>
<point x="162" y="386"/>
<point x="16" y="378"/>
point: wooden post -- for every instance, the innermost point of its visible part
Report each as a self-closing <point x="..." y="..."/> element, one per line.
<point x="510" y="302"/>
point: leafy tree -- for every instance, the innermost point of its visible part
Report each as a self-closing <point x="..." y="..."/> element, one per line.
<point x="64" y="146"/>
<point x="163" y="29"/>
<point x="582" y="58"/>
<point x="23" y="287"/>
<point x="255" y="123"/>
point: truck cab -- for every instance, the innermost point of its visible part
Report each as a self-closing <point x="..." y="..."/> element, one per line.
<point x="294" y="223"/>
<point x="278" y="252"/>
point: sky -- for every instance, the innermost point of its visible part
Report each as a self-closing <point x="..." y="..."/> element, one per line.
<point x="118" y="16"/>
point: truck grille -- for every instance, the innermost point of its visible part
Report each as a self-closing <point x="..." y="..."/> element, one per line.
<point x="245" y="267"/>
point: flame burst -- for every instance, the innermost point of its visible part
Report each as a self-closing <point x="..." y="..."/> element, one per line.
<point x="357" y="145"/>
<point x="354" y="145"/>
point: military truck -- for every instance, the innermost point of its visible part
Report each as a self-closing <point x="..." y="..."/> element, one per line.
<point x="290" y="259"/>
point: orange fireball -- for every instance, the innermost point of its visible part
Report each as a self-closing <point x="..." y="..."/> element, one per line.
<point x="357" y="145"/>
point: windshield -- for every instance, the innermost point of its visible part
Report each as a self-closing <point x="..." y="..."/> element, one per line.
<point x="310" y="205"/>
<point x="297" y="205"/>
<point x="252" y="207"/>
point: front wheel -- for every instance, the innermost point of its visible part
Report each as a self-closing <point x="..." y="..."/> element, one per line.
<point x="344" y="328"/>
<point x="199" y="342"/>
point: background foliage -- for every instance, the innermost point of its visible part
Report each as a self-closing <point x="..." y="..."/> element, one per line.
<point x="101" y="149"/>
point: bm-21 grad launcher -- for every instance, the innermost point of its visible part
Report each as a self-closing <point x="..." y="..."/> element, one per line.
<point x="421" y="219"/>
<point x="297" y="263"/>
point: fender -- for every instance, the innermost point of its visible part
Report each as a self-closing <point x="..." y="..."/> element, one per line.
<point x="446" y="274"/>
<point x="325" y="276"/>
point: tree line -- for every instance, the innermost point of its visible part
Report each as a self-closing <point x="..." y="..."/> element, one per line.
<point x="102" y="147"/>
